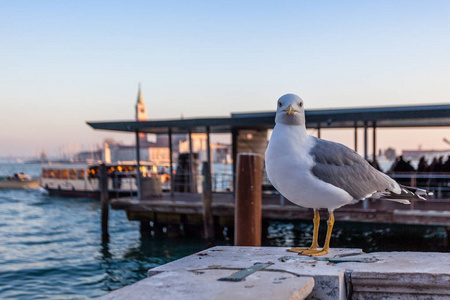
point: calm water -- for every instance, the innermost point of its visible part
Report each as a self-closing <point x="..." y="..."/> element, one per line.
<point x="50" y="247"/>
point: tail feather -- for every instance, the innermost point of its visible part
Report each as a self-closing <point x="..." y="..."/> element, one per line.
<point x="407" y="193"/>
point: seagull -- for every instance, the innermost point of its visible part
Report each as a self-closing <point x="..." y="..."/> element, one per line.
<point x="320" y="174"/>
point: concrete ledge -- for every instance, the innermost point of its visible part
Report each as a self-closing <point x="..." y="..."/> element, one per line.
<point x="401" y="275"/>
<point x="404" y="286"/>
<point x="203" y="285"/>
<point x="342" y="274"/>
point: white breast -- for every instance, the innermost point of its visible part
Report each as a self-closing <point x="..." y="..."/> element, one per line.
<point x="289" y="164"/>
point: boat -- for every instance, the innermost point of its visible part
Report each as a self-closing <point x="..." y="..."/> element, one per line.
<point x="19" y="181"/>
<point x="82" y="180"/>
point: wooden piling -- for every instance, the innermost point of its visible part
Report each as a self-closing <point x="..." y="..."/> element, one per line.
<point x="145" y="228"/>
<point x="447" y="229"/>
<point x="104" y="200"/>
<point x="191" y="166"/>
<point x="138" y="167"/>
<point x="172" y="178"/>
<point x="208" y="224"/>
<point x="248" y="200"/>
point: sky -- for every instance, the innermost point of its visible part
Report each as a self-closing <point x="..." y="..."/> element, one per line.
<point x="63" y="63"/>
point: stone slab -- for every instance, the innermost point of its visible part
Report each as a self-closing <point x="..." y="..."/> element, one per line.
<point x="401" y="275"/>
<point x="348" y="274"/>
<point x="329" y="281"/>
<point x="203" y="285"/>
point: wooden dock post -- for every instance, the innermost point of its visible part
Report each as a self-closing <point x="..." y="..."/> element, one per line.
<point x="104" y="200"/>
<point x="208" y="223"/>
<point x="145" y="228"/>
<point x="247" y="216"/>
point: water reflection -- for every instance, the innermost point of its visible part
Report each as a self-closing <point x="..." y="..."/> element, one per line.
<point x="132" y="263"/>
<point x="370" y="237"/>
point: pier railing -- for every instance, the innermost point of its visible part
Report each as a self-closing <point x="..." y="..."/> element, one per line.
<point x="222" y="182"/>
<point x="438" y="183"/>
<point x="123" y="183"/>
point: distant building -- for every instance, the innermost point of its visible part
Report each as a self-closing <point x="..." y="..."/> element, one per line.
<point x="89" y="156"/>
<point x="44" y="156"/>
<point x="156" y="152"/>
<point x="219" y="152"/>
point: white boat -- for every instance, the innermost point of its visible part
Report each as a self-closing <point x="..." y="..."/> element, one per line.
<point x="19" y="181"/>
<point x="82" y="180"/>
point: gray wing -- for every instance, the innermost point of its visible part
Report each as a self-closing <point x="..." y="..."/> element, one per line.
<point x="344" y="168"/>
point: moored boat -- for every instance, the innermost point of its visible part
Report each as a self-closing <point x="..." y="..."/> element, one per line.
<point x="82" y="180"/>
<point x="19" y="181"/>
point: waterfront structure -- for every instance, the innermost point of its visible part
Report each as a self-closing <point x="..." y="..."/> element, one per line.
<point x="174" y="209"/>
<point x="244" y="127"/>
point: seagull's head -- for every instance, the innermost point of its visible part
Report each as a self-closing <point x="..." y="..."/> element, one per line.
<point x="290" y="110"/>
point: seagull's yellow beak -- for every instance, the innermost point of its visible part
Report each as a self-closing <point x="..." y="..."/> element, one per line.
<point x="290" y="110"/>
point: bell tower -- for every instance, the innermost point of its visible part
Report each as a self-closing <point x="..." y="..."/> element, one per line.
<point x="141" y="114"/>
<point x="141" y="110"/>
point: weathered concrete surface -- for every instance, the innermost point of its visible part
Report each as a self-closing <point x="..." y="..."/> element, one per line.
<point x="329" y="281"/>
<point x="383" y="275"/>
<point x="401" y="275"/>
<point x="203" y="285"/>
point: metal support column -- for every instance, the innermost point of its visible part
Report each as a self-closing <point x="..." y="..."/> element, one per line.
<point x="172" y="182"/>
<point x="191" y="169"/>
<point x="318" y="130"/>
<point x="104" y="201"/>
<point x="208" y="222"/>
<point x="374" y="140"/>
<point x="138" y="166"/>
<point x="365" y="202"/>
<point x="208" y="151"/>
<point x="234" y="138"/>
<point x="365" y="140"/>
<point x="356" y="136"/>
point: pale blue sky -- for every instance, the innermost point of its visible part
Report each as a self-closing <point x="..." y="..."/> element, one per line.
<point x="65" y="62"/>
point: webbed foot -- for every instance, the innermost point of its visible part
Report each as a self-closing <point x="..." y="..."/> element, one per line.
<point x="315" y="252"/>
<point x="300" y="250"/>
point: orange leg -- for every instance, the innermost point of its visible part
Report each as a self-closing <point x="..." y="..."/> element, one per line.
<point x="326" y="247"/>
<point x="314" y="244"/>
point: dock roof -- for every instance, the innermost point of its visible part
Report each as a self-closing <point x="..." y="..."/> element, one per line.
<point x="399" y="116"/>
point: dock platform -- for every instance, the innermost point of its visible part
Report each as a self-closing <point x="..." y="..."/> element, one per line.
<point x="341" y="274"/>
<point x="186" y="209"/>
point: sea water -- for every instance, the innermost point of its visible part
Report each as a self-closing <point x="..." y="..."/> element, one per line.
<point x="51" y="247"/>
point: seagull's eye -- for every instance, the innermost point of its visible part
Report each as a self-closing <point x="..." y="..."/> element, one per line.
<point x="280" y="104"/>
<point x="300" y="104"/>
